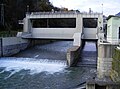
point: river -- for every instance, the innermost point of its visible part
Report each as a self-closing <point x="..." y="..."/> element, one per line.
<point x="44" y="67"/>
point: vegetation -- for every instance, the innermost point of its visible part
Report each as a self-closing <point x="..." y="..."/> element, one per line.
<point x="115" y="73"/>
<point x="8" y="33"/>
<point x="16" y="9"/>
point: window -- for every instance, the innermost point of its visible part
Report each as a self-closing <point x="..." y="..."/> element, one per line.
<point x="119" y="32"/>
<point x="90" y="22"/>
<point x="54" y="23"/>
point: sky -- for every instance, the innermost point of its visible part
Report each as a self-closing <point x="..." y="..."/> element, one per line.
<point x="109" y="7"/>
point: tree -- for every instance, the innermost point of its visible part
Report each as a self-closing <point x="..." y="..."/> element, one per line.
<point x="16" y="9"/>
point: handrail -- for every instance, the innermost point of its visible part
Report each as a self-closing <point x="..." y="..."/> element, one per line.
<point x="61" y="12"/>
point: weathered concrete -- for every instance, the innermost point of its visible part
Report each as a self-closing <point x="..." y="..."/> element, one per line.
<point x="13" y="45"/>
<point x="73" y="54"/>
<point x="101" y="84"/>
<point x="104" y="65"/>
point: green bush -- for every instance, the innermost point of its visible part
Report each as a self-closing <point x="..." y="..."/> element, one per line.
<point x="8" y="33"/>
<point x="115" y="73"/>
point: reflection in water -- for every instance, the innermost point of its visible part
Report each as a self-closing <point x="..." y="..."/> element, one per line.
<point x="38" y="72"/>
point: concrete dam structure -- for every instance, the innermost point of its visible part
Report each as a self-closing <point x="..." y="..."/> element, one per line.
<point x="76" y="26"/>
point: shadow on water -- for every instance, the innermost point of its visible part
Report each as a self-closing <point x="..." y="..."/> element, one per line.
<point x="89" y="55"/>
<point x="44" y="67"/>
<point x="56" y="51"/>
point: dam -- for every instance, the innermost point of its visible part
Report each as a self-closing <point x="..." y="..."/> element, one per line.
<point x="70" y="39"/>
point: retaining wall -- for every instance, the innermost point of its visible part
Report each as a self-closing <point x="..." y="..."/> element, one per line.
<point x="104" y="65"/>
<point x="13" y="45"/>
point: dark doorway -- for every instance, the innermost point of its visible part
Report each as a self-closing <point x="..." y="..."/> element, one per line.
<point x="100" y="87"/>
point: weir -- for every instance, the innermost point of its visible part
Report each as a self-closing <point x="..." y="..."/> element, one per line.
<point x="78" y="27"/>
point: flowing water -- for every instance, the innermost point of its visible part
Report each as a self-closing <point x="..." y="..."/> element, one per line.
<point x="44" y="67"/>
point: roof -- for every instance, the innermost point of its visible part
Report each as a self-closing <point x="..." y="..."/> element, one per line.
<point x="110" y="16"/>
<point x="118" y="14"/>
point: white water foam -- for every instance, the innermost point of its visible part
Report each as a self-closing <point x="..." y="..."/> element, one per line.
<point x="35" y="66"/>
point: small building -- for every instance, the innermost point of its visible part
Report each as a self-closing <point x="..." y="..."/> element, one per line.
<point x="113" y="29"/>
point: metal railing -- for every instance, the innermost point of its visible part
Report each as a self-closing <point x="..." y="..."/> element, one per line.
<point x="62" y="12"/>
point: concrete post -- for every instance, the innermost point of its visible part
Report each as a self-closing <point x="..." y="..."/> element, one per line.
<point x="27" y="25"/>
<point x="104" y="65"/>
<point x="77" y="39"/>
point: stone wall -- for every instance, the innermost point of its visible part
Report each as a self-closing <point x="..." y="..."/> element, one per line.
<point x="115" y="72"/>
<point x="13" y="45"/>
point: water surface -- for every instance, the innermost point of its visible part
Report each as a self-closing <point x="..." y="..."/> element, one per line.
<point x="44" y="67"/>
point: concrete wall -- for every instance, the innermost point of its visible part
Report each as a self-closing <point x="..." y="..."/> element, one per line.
<point x="12" y="45"/>
<point x="104" y="65"/>
<point x="113" y="25"/>
<point x="90" y="33"/>
<point x="53" y="33"/>
<point x="73" y="55"/>
<point x="60" y="33"/>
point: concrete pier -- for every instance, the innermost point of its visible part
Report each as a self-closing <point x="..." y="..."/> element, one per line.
<point x="101" y="85"/>
<point x="104" y="65"/>
<point x="73" y="54"/>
